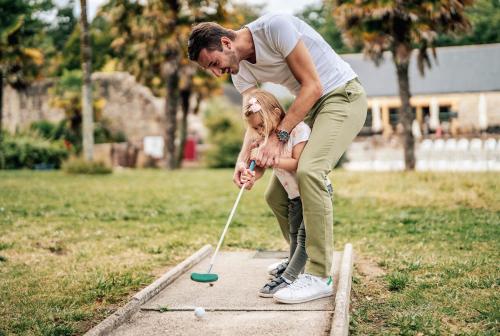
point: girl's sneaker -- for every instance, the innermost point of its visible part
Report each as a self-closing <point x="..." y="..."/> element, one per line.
<point x="276" y="270"/>
<point x="306" y="288"/>
<point x="273" y="286"/>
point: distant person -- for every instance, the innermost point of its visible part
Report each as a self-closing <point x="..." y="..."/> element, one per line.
<point x="283" y="49"/>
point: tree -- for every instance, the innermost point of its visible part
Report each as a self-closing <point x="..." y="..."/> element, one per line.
<point x="151" y="41"/>
<point x="319" y="17"/>
<point x="484" y="16"/>
<point x="87" y="113"/>
<point x="399" y="26"/>
<point x="20" y="60"/>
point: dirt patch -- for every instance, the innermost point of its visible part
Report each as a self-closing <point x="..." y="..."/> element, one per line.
<point x="368" y="268"/>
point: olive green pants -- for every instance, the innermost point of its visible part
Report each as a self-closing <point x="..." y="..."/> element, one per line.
<point x="335" y="120"/>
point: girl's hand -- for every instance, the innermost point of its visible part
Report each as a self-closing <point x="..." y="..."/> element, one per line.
<point x="248" y="177"/>
<point x="238" y="171"/>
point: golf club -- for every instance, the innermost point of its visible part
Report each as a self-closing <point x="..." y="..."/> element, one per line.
<point x="211" y="277"/>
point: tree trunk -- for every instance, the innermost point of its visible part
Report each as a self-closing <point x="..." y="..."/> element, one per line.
<point x="196" y="108"/>
<point x="171" y="103"/>
<point x="1" y="105"/>
<point x="87" y="113"/>
<point x="405" y="112"/>
<point x="2" y="158"/>
<point x="185" y="95"/>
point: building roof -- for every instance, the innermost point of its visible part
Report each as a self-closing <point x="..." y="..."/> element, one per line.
<point x="457" y="69"/>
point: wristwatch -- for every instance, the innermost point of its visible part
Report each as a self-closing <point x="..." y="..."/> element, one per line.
<point x="282" y="135"/>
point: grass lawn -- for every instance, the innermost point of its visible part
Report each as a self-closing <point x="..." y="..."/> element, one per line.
<point x="73" y="249"/>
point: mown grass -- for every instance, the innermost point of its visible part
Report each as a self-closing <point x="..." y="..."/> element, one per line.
<point x="74" y="248"/>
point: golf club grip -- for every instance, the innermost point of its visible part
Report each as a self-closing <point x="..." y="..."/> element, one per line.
<point x="252" y="165"/>
<point x="233" y="210"/>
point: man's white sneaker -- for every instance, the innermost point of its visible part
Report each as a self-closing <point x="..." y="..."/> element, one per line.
<point x="306" y="288"/>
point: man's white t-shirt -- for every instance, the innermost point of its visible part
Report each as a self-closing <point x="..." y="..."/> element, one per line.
<point x="275" y="36"/>
<point x="288" y="180"/>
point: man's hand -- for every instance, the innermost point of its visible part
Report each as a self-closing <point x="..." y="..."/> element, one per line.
<point x="268" y="154"/>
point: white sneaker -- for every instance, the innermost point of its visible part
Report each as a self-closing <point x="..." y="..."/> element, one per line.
<point x="306" y="288"/>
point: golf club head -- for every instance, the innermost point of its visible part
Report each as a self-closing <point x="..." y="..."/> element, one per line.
<point x="204" y="277"/>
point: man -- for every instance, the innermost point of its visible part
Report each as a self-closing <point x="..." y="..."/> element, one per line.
<point x="282" y="49"/>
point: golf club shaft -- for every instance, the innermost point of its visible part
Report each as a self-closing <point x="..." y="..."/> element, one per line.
<point x="252" y="165"/>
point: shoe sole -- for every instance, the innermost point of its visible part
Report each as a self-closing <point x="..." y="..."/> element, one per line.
<point x="292" y="301"/>
<point x="266" y="295"/>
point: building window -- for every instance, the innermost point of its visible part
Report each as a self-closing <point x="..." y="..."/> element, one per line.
<point x="367" y="127"/>
<point x="393" y="116"/>
<point x="368" y="121"/>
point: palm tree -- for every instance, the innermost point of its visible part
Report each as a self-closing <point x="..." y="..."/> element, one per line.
<point x="87" y="113"/>
<point x="152" y="41"/>
<point x="399" y="26"/>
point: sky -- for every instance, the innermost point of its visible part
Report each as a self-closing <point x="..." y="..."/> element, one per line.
<point x="286" y="6"/>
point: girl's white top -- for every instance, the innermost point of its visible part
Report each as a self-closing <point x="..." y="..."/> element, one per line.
<point x="288" y="179"/>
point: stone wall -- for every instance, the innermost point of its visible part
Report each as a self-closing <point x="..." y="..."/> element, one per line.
<point x="129" y="106"/>
<point x="21" y="108"/>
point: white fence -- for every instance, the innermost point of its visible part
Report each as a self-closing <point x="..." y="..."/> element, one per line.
<point x="431" y="155"/>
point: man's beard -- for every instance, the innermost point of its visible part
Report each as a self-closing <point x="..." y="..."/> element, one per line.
<point x="234" y="63"/>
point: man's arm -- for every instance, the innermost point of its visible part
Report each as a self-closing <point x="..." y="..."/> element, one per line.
<point x="303" y="69"/>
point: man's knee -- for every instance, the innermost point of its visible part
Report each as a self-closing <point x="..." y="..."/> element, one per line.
<point x="274" y="201"/>
<point x="306" y="174"/>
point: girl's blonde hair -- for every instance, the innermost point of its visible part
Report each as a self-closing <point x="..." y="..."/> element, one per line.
<point x="271" y="110"/>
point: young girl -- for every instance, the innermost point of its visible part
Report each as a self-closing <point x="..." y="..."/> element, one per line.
<point x="263" y="114"/>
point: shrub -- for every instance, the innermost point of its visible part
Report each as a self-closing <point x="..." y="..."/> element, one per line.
<point x="31" y="151"/>
<point x="81" y="166"/>
<point x="226" y="131"/>
<point x="63" y="131"/>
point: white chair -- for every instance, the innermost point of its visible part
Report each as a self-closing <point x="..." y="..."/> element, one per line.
<point x="399" y="165"/>
<point x="438" y="145"/>
<point x="422" y="165"/>
<point x="463" y="144"/>
<point x="490" y="148"/>
<point x="426" y="144"/>
<point x="476" y="144"/>
<point x="490" y="144"/>
<point x="451" y="144"/>
<point x="423" y="151"/>
<point x="462" y="154"/>
<point x="381" y="165"/>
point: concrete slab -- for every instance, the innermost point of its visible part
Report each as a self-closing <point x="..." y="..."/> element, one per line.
<point x="241" y="275"/>
<point x="291" y="323"/>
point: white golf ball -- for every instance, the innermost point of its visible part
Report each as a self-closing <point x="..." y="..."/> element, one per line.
<point x="199" y="312"/>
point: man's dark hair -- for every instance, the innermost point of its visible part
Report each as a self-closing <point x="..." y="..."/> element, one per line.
<point x="207" y="35"/>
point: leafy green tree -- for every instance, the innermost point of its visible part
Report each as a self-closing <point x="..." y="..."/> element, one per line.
<point x="398" y="26"/>
<point x="484" y="16"/>
<point x="151" y="41"/>
<point x="100" y="39"/>
<point x="319" y="17"/>
<point x="20" y="59"/>
<point x="64" y="24"/>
